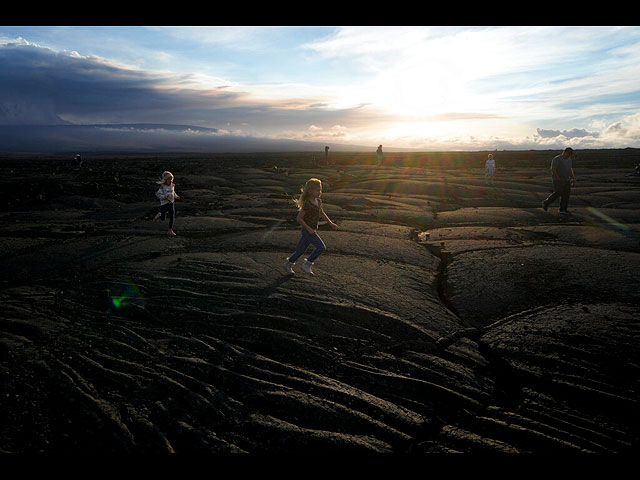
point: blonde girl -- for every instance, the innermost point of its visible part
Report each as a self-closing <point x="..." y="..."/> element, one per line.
<point x="310" y="211"/>
<point x="167" y="196"/>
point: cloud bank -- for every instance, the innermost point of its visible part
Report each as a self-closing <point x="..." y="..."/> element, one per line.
<point x="43" y="87"/>
<point x="573" y="133"/>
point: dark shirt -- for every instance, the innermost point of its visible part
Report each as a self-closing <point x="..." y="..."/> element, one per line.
<point x="312" y="213"/>
<point x="564" y="165"/>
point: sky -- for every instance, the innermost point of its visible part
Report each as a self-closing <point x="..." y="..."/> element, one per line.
<point x="428" y="88"/>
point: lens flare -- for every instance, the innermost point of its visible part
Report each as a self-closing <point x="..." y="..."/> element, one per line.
<point x="271" y="229"/>
<point x="608" y="219"/>
<point x="130" y="295"/>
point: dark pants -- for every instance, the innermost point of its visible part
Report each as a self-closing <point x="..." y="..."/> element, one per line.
<point x="562" y="189"/>
<point x="168" y="208"/>
<point x="305" y="240"/>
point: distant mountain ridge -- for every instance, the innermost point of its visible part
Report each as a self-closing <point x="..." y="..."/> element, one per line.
<point x="145" y="138"/>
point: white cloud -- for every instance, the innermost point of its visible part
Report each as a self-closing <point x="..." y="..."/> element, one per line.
<point x="627" y="129"/>
<point x="528" y="74"/>
<point x="13" y="41"/>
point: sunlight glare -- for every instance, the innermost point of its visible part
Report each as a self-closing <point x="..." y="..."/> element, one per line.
<point x="440" y="74"/>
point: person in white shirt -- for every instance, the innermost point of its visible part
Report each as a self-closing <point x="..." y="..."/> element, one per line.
<point x="489" y="170"/>
<point x="167" y="196"/>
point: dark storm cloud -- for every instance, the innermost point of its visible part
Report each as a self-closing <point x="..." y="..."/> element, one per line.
<point x="41" y="86"/>
<point x="65" y="85"/>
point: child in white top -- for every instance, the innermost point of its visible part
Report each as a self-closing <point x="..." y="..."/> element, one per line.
<point x="489" y="170"/>
<point x="167" y="196"/>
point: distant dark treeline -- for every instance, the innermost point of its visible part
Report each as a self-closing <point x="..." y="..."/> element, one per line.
<point x="593" y="158"/>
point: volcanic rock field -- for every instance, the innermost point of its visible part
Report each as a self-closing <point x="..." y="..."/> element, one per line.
<point x="446" y="315"/>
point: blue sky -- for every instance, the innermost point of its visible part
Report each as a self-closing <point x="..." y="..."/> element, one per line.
<point x="432" y="88"/>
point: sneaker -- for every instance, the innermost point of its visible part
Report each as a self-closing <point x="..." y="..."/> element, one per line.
<point x="288" y="266"/>
<point x="544" y="206"/>
<point x="157" y="217"/>
<point x="306" y="266"/>
<point x="172" y="233"/>
<point x="564" y="212"/>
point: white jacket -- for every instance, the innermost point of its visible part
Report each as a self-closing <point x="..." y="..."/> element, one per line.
<point x="490" y="166"/>
<point x="164" y="191"/>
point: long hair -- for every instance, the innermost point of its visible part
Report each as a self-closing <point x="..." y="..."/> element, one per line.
<point x="165" y="175"/>
<point x="311" y="183"/>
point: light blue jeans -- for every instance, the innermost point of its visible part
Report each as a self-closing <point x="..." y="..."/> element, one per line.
<point x="305" y="240"/>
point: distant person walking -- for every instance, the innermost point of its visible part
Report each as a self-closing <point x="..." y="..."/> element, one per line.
<point x="379" y="155"/>
<point x="310" y="211"/>
<point x="562" y="177"/>
<point x="489" y="170"/>
<point x="167" y="196"/>
<point x="326" y="154"/>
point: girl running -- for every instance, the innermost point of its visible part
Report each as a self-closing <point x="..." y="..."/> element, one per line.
<point x="311" y="211"/>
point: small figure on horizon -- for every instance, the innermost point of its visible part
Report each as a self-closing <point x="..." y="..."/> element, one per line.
<point x="379" y="155"/>
<point x="77" y="160"/>
<point x="489" y="169"/>
<point x="326" y="154"/>
<point x="167" y="196"/>
<point x="562" y="177"/>
<point x="310" y="211"/>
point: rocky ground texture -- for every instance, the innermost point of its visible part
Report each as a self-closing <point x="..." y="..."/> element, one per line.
<point x="447" y="315"/>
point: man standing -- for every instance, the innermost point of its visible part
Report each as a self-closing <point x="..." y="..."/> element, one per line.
<point x="562" y="177"/>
